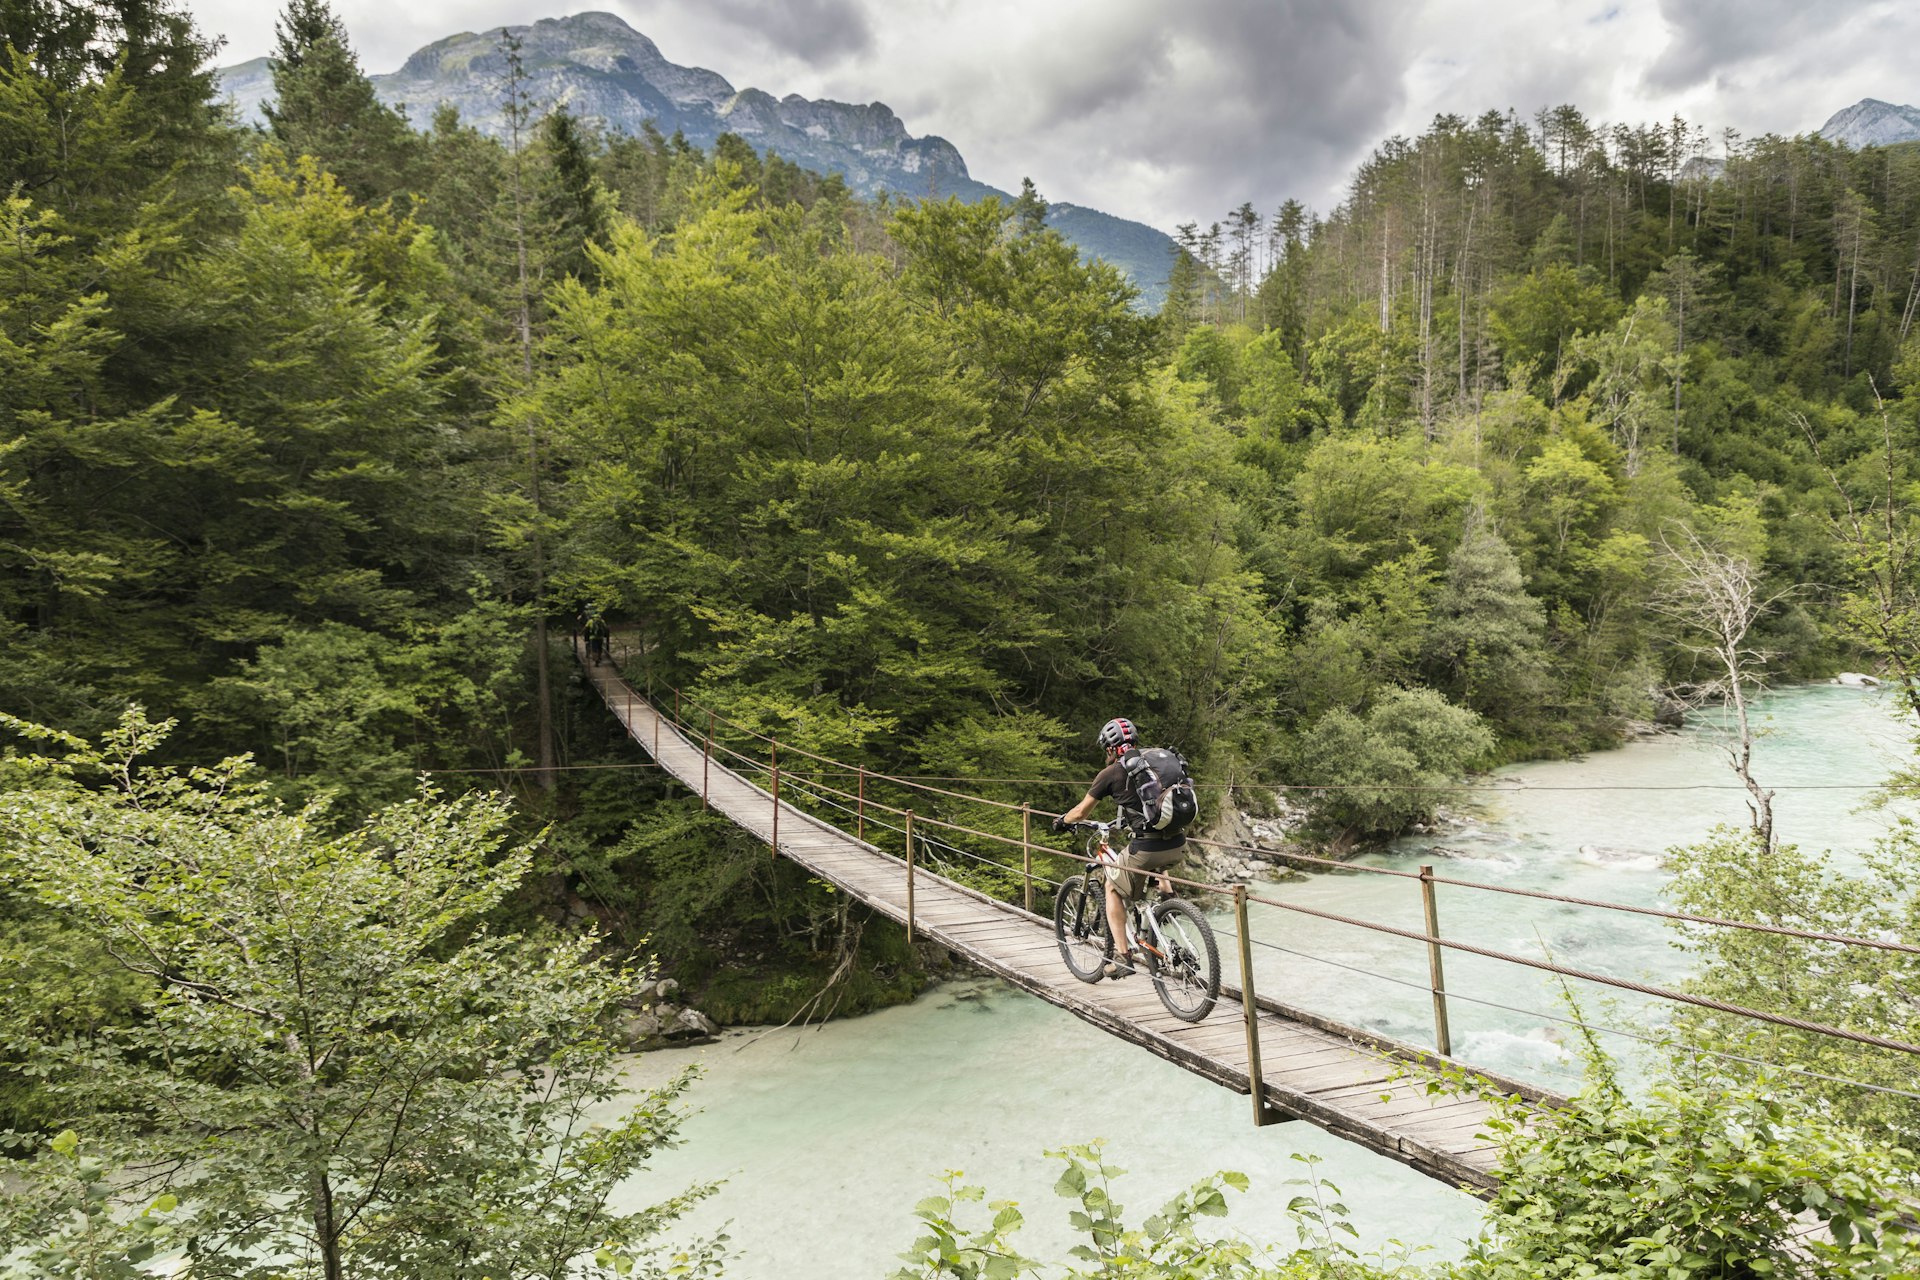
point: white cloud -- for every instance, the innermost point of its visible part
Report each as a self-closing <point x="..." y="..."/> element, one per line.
<point x="1168" y="111"/>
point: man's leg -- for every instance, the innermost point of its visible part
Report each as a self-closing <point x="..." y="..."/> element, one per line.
<point x="1117" y="922"/>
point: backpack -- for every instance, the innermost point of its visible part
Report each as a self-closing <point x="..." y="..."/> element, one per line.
<point x="1162" y="791"/>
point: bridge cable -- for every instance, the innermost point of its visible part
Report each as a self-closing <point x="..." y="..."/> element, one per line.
<point x="1528" y="962"/>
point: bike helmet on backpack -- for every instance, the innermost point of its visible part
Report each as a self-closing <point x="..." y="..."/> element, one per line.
<point x="1117" y="734"/>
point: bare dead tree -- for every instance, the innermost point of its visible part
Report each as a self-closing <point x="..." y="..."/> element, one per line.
<point x="1714" y="595"/>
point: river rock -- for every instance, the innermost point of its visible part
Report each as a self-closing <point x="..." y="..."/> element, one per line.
<point x="691" y="1024"/>
<point x="1857" y="680"/>
<point x="635" y="1031"/>
<point x="662" y="1024"/>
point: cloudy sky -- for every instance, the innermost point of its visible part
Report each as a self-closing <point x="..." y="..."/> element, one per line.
<point x="1170" y="110"/>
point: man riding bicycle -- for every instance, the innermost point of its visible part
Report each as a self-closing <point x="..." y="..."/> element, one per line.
<point x="1148" y="851"/>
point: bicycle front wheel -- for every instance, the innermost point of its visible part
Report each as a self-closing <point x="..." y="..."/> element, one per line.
<point x="1080" y="926"/>
<point x="1188" y="976"/>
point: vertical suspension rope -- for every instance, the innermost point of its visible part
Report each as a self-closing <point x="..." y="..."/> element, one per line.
<point x="776" y="796"/>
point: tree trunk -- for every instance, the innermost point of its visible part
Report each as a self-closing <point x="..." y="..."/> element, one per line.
<point x="543" y="678"/>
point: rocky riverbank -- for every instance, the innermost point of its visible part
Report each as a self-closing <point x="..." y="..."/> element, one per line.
<point x="653" y="1018"/>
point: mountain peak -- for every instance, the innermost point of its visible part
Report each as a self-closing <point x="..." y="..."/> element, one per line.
<point x="1873" y="123"/>
<point x="610" y="75"/>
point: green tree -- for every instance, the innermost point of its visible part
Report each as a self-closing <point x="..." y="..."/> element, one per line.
<point x="106" y="105"/>
<point x="1375" y="775"/>
<point x="1536" y="320"/>
<point x="1739" y="876"/>
<point x="1485" y="646"/>
<point x="418" y="1092"/>
<point x="325" y="107"/>
<point x="1173" y="1241"/>
<point x="572" y="208"/>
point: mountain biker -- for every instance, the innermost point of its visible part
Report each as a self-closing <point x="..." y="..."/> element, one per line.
<point x="1146" y="852"/>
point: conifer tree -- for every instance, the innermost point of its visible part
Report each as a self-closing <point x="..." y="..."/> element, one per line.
<point x="325" y="107"/>
<point x="1029" y="209"/>
<point x="1484" y="645"/>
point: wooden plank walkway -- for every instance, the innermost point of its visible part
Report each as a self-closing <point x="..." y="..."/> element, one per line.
<point x="1340" y="1078"/>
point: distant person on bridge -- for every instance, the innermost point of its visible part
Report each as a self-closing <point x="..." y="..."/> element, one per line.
<point x="597" y="637"/>
<point x="1156" y="802"/>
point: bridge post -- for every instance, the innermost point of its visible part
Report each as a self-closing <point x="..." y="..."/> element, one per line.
<point x="1026" y="853"/>
<point x="676" y="706"/>
<point x="860" y="829"/>
<point x="706" y="761"/>
<point x="776" y="795"/>
<point x="909" y="877"/>
<point x="1250" y="1012"/>
<point x="1442" y="1033"/>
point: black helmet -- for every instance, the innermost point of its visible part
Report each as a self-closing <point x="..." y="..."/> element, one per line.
<point x="1118" y="734"/>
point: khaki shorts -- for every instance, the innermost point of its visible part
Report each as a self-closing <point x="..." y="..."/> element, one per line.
<point x="1137" y="859"/>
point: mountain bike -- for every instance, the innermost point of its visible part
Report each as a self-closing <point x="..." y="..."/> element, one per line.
<point x="1173" y="940"/>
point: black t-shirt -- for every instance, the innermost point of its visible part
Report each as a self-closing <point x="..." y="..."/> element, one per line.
<point x="1112" y="783"/>
<point x="1115" y="783"/>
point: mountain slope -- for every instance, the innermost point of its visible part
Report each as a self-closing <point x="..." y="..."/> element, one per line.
<point x="1873" y="123"/>
<point x="604" y="71"/>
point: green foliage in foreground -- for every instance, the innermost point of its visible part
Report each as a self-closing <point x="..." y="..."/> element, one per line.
<point x="1172" y="1242"/>
<point x="337" y="1064"/>
<point x="1694" y="1181"/>
<point x="1687" y="1182"/>
<point x="1731" y="875"/>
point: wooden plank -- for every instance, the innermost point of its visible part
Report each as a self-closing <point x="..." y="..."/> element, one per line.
<point x="1304" y="1055"/>
<point x="1406" y="1112"/>
<point x="1445" y="1133"/>
<point x="1343" y="1075"/>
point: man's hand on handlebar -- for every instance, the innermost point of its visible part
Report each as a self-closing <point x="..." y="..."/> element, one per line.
<point x="1060" y="825"/>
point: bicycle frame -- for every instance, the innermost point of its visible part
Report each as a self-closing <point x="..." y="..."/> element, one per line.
<point x="1102" y="854"/>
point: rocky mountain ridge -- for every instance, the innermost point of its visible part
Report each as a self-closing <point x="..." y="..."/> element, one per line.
<point x="1873" y="123"/>
<point x="603" y="70"/>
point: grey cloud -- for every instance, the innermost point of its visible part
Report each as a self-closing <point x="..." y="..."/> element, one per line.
<point x="1222" y="100"/>
<point x="812" y="30"/>
<point x="1712" y="38"/>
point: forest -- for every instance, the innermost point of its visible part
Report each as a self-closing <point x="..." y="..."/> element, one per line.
<point x="319" y="442"/>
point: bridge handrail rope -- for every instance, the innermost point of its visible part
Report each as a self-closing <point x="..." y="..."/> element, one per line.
<point x="1586" y="975"/>
<point x="968" y="854"/>
<point x="1586" y="1025"/>
<point x="1603" y="904"/>
<point x="817" y="789"/>
<point x="918" y="817"/>
<point x="1878" y="944"/>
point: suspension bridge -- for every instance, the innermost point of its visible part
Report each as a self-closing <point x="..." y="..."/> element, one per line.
<point x="1292" y="1063"/>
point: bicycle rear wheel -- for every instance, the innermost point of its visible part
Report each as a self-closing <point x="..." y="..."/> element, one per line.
<point x="1080" y="926"/>
<point x="1188" y="976"/>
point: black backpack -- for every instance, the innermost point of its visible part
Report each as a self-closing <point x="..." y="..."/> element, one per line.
<point x="1162" y="791"/>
